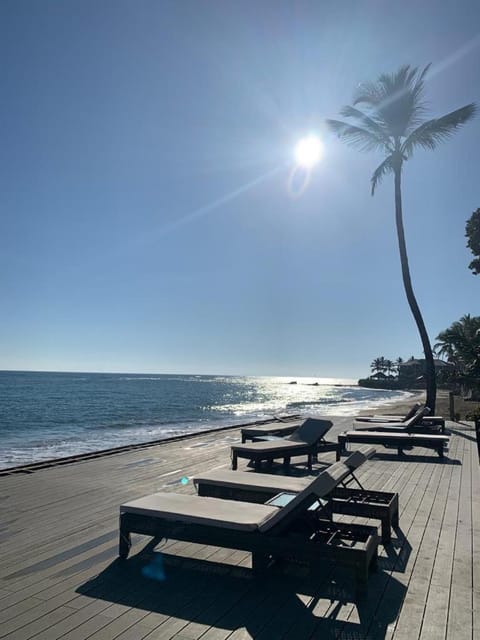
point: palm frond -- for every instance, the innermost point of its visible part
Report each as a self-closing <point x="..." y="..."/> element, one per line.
<point x="418" y="105"/>
<point x="368" y="93"/>
<point x="430" y="133"/>
<point x="381" y="171"/>
<point x="369" y="123"/>
<point x="357" y="137"/>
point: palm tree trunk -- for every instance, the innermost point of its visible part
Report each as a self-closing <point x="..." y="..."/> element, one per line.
<point x="431" y="384"/>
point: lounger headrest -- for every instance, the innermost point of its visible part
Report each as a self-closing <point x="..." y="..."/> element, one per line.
<point x="412" y="411"/>
<point x="417" y="416"/>
<point x="323" y="484"/>
<point x="311" y="430"/>
<point x="357" y="458"/>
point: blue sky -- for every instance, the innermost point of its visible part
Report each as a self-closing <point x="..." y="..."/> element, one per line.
<point x="146" y="223"/>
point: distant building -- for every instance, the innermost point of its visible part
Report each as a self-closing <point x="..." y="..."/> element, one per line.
<point x="413" y="369"/>
<point x="378" y="375"/>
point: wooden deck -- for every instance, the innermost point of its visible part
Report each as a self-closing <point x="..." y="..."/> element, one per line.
<point x="60" y="577"/>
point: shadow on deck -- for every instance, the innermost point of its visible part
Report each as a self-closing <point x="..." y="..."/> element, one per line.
<point x="178" y="591"/>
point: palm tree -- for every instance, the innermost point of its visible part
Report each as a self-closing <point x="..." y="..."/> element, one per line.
<point x="389" y="366"/>
<point x="378" y="365"/>
<point x="460" y="344"/>
<point x="392" y="122"/>
<point x="398" y="363"/>
<point x="472" y="231"/>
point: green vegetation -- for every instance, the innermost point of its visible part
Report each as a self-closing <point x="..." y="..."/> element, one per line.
<point x="472" y="229"/>
<point x="460" y="345"/>
<point x="384" y="366"/>
<point x="392" y="123"/>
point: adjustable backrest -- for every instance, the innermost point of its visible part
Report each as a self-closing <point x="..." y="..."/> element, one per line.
<point x="323" y="484"/>
<point x="417" y="416"/>
<point x="311" y="431"/>
<point x="412" y="412"/>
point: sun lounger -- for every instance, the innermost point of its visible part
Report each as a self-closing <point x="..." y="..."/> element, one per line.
<point x="293" y="532"/>
<point x="390" y="439"/>
<point x="418" y="422"/>
<point x="277" y="429"/>
<point x="261" y="487"/>
<point x="395" y="417"/>
<point x="308" y="440"/>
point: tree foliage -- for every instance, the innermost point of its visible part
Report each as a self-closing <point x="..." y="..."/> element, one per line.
<point x="472" y="229"/>
<point x="460" y="344"/>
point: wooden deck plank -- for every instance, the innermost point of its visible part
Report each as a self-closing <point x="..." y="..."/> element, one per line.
<point x="460" y="612"/>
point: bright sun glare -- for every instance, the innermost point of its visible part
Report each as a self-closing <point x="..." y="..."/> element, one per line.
<point x="308" y="151"/>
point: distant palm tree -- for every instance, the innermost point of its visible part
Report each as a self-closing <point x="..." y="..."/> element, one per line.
<point x="398" y="363"/>
<point x="393" y="124"/>
<point x="378" y="365"/>
<point x="389" y="366"/>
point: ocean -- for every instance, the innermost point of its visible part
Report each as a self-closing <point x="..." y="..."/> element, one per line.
<point x="53" y="415"/>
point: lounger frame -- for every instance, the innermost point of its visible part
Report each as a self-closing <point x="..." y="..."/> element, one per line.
<point x="308" y="539"/>
<point x="257" y="457"/>
<point x="390" y="439"/>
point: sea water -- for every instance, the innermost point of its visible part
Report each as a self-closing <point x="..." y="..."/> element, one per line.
<point x="53" y="415"/>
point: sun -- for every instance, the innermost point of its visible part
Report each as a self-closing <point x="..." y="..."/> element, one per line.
<point x="308" y="151"/>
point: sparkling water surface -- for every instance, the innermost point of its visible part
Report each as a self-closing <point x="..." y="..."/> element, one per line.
<point x="53" y="415"/>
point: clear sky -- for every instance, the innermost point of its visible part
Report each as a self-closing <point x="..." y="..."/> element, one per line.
<point x="146" y="224"/>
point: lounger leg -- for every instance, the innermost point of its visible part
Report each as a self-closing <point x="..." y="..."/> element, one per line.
<point x="309" y="462"/>
<point x="386" y="530"/>
<point x="260" y="562"/>
<point x="124" y="542"/>
<point x="361" y="580"/>
<point x="342" y="446"/>
<point x="234" y="461"/>
<point x="286" y="463"/>
<point x="395" y="514"/>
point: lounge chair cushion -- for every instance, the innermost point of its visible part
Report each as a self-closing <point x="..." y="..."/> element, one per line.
<point x="388" y="435"/>
<point x="273" y="446"/>
<point x="192" y="509"/>
<point x="255" y="481"/>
